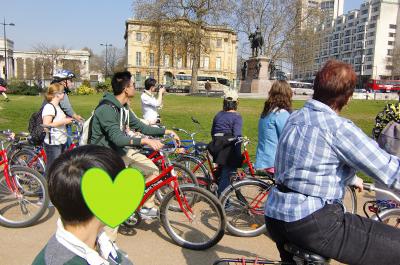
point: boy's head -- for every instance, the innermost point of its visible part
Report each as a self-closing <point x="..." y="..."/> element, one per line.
<point x="121" y="82"/>
<point x="64" y="179"/>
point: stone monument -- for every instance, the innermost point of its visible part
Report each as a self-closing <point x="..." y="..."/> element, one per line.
<point x="256" y="70"/>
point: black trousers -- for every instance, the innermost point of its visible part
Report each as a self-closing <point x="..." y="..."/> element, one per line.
<point x="345" y="237"/>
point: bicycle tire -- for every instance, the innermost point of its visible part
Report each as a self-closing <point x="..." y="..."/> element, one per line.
<point x="22" y="156"/>
<point x="386" y="217"/>
<point x="7" y="210"/>
<point x="350" y="200"/>
<point x="213" y="218"/>
<point x="189" y="178"/>
<point x="242" y="219"/>
<point x="199" y="170"/>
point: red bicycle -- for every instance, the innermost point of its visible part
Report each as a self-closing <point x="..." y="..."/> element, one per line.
<point x="35" y="157"/>
<point x="192" y="216"/>
<point x="23" y="192"/>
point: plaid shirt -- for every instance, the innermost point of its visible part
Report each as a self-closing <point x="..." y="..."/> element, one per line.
<point x="318" y="155"/>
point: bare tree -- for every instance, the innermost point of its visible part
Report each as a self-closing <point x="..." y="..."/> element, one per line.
<point x="182" y="22"/>
<point x="281" y="23"/>
<point x="394" y="62"/>
<point x="115" y="59"/>
<point x="49" y="58"/>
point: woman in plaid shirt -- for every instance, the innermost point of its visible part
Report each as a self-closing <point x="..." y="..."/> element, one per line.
<point x="318" y="154"/>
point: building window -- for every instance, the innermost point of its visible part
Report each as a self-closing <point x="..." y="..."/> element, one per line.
<point x="370" y="42"/>
<point x="151" y="74"/>
<point x="151" y="59"/>
<point x="179" y="62"/>
<point x="138" y="58"/>
<point x="138" y="36"/>
<point x="390" y="42"/>
<point x="375" y="9"/>
<point x="166" y="60"/>
<point x="391" y="34"/>
<point x="371" y="26"/>
<point x="137" y="77"/>
<point x="392" y="26"/>
<point x="365" y="11"/>
<point x="390" y="52"/>
<point x="218" y="63"/>
<point x="219" y="43"/>
<point x="206" y="62"/>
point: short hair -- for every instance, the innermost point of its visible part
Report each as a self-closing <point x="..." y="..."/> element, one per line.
<point x="334" y="84"/>
<point x="52" y="90"/>
<point x="64" y="179"/>
<point x="150" y="82"/>
<point x="229" y="105"/>
<point x="120" y="81"/>
<point x="279" y="97"/>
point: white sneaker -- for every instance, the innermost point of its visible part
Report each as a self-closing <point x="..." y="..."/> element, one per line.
<point x="148" y="213"/>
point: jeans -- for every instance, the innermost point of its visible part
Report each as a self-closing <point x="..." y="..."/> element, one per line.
<point x="225" y="178"/>
<point x="52" y="152"/>
<point x="345" y="237"/>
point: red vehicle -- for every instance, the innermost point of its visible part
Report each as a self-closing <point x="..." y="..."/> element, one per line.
<point x="383" y="85"/>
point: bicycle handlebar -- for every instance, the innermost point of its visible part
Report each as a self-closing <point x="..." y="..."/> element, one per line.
<point x="371" y="187"/>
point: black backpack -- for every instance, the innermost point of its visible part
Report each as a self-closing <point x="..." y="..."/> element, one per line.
<point x="35" y="126"/>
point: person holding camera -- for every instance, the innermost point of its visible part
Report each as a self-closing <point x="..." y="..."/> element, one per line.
<point x="150" y="102"/>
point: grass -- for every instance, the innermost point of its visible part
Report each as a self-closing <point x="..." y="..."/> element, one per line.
<point x="178" y="110"/>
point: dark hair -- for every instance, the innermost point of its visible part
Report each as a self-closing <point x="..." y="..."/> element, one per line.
<point x="120" y="81"/>
<point x="279" y="96"/>
<point x="150" y="82"/>
<point x="334" y="84"/>
<point x="65" y="174"/>
<point x="229" y="105"/>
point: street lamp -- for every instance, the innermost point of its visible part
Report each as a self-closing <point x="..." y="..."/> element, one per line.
<point x="5" y="46"/>
<point x="106" y="45"/>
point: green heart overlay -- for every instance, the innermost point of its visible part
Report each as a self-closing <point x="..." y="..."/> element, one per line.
<point x="112" y="202"/>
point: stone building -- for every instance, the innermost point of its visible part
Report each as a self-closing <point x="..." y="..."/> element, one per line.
<point x="151" y="53"/>
<point x="35" y="65"/>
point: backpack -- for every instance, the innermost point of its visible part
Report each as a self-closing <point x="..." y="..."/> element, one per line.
<point x="35" y="128"/>
<point x="389" y="139"/>
<point x="87" y="126"/>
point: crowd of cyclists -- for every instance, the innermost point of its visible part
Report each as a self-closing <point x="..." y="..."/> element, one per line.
<point x="312" y="153"/>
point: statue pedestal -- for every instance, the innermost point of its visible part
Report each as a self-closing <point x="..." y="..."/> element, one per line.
<point x="254" y="83"/>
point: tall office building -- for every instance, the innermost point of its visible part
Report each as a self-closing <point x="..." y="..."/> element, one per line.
<point x="364" y="37"/>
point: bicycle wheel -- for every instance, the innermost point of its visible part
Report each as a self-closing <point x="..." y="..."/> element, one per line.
<point x="389" y="216"/>
<point x="25" y="206"/>
<point x="25" y="157"/>
<point x="199" y="170"/>
<point x="184" y="177"/>
<point x="350" y="200"/>
<point x="243" y="202"/>
<point x="206" y="225"/>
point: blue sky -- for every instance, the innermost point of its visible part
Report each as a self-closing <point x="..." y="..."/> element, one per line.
<point x="74" y="24"/>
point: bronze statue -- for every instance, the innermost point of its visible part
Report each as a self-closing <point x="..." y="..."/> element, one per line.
<point x="257" y="42"/>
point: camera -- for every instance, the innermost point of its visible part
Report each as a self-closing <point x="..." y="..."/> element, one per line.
<point x="158" y="87"/>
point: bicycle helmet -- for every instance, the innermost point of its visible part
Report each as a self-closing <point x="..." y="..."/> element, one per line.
<point x="62" y="74"/>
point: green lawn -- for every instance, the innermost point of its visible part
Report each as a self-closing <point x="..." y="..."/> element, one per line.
<point x="178" y="110"/>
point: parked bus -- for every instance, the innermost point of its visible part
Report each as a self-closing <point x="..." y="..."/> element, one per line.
<point x="301" y="88"/>
<point x="182" y="82"/>
<point x="375" y="85"/>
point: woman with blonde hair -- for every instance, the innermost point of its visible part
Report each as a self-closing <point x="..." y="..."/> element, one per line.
<point x="276" y="111"/>
<point x="55" y="120"/>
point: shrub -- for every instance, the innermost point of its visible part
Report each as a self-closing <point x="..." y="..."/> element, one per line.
<point x="18" y="87"/>
<point x="104" y="86"/>
<point x="85" y="90"/>
<point x="86" y="83"/>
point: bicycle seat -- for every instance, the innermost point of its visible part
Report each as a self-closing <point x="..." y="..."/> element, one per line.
<point x="306" y="255"/>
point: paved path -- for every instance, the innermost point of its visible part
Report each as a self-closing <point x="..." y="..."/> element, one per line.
<point x="146" y="245"/>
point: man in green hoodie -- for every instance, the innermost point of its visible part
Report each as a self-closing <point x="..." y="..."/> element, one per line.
<point x="112" y="120"/>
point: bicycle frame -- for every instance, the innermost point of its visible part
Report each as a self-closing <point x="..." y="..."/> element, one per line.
<point x="6" y="171"/>
<point x="166" y="177"/>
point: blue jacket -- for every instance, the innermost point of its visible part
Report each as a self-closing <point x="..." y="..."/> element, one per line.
<point x="269" y="130"/>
